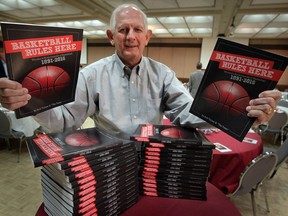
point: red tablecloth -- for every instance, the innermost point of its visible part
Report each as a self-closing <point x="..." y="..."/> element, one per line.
<point x="227" y="167"/>
<point x="217" y="204"/>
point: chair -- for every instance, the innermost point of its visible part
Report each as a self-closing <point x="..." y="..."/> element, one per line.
<point x="282" y="153"/>
<point x="282" y="102"/>
<point x="254" y="175"/>
<point x="6" y="132"/>
<point x="275" y="125"/>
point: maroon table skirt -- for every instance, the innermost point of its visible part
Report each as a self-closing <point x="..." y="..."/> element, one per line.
<point x="217" y="204"/>
<point x="226" y="167"/>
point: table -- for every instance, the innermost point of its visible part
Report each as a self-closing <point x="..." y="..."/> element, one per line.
<point x="226" y="167"/>
<point x="217" y="204"/>
<point x="27" y="125"/>
<point x="283" y="108"/>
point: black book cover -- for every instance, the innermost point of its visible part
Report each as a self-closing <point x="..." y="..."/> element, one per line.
<point x="196" y="171"/>
<point x="45" y="60"/>
<point x="99" y="169"/>
<point x="84" y="178"/>
<point x="177" y="175"/>
<point x="235" y="74"/>
<point x="178" y="184"/>
<point x="188" y="155"/>
<point x="176" y="157"/>
<point x="82" y="190"/>
<point x="152" y="163"/>
<point x="166" y="188"/>
<point x="171" y="194"/>
<point x="56" y="147"/>
<point x="183" y="173"/>
<point x="100" y="193"/>
<point x="56" y="209"/>
<point x="156" y="147"/>
<point x="125" y="188"/>
<point x="75" y="161"/>
<point x="169" y="134"/>
<point x="98" y="163"/>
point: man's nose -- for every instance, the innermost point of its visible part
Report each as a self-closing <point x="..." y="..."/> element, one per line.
<point x="130" y="33"/>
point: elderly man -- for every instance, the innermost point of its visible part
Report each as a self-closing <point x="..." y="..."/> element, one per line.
<point x="126" y="89"/>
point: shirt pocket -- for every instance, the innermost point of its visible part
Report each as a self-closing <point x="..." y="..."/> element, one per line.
<point x="153" y="110"/>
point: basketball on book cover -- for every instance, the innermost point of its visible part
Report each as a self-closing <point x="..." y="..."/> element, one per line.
<point x="225" y="97"/>
<point x="173" y="133"/>
<point x="81" y="139"/>
<point x="46" y="81"/>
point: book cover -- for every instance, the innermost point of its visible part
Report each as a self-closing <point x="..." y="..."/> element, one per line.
<point x="56" y="147"/>
<point x="98" y="198"/>
<point x="169" y="134"/>
<point x="45" y="60"/>
<point x="75" y="161"/>
<point x="235" y="74"/>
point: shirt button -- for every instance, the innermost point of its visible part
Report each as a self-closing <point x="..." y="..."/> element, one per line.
<point x="133" y="99"/>
<point x="134" y="117"/>
<point x="132" y="82"/>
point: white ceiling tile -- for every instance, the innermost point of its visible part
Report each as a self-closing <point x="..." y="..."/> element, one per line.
<point x="163" y="35"/>
<point x="159" y="4"/>
<point x="179" y="30"/>
<point x="115" y="3"/>
<point x="160" y="31"/>
<point x="246" y="30"/>
<point x="171" y="20"/>
<point x="263" y="18"/>
<point x="196" y="3"/>
<point x="199" y="19"/>
<point x="43" y="3"/>
<point x="267" y="2"/>
<point x="64" y="10"/>
<point x="251" y="25"/>
<point x="4" y="7"/>
<point x="281" y="18"/>
<point x="203" y="18"/>
<point x="18" y="4"/>
<point x="273" y="30"/>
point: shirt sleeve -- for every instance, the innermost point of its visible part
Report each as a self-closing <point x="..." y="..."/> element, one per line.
<point x="178" y="102"/>
<point x="71" y="115"/>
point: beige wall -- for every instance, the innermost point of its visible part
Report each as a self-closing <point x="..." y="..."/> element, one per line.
<point x="181" y="60"/>
<point x="284" y="78"/>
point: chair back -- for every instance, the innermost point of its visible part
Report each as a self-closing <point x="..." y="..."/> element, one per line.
<point x="5" y="126"/>
<point x="256" y="172"/>
<point x="282" y="152"/>
<point x="278" y="121"/>
<point x="282" y="102"/>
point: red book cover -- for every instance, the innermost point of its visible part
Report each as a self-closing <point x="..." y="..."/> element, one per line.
<point x="170" y="135"/>
<point x="235" y="74"/>
<point x="56" y="147"/>
<point x="45" y="60"/>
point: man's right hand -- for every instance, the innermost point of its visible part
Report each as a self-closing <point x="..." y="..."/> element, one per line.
<point x="12" y="94"/>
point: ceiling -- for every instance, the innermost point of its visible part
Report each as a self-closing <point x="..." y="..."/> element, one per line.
<point x="166" y="18"/>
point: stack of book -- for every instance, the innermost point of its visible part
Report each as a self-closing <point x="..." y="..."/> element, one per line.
<point x="175" y="162"/>
<point x="85" y="172"/>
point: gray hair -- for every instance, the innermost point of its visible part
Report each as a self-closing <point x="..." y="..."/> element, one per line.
<point x="118" y="9"/>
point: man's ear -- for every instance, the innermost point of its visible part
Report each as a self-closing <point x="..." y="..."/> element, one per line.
<point x="110" y="36"/>
<point x="148" y="36"/>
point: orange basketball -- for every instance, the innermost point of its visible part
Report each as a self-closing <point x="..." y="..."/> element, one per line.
<point x="46" y="81"/>
<point x="225" y="97"/>
<point x="81" y="139"/>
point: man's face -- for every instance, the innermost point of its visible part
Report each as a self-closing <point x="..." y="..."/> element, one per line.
<point x="130" y="37"/>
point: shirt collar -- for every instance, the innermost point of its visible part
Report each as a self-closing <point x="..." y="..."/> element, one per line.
<point x="120" y="63"/>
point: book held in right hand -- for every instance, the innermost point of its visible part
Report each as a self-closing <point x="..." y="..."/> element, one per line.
<point x="235" y="74"/>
